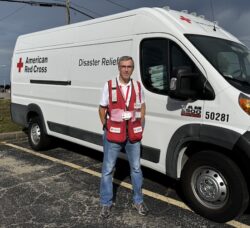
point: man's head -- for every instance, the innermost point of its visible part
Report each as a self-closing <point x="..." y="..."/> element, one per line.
<point x="126" y="67"/>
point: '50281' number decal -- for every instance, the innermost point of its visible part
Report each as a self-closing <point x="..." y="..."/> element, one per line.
<point x="217" y="116"/>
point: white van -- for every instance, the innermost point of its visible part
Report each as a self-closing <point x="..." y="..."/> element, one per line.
<point x="196" y="79"/>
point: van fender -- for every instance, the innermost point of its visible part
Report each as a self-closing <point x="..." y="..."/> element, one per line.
<point x="212" y="135"/>
<point x="34" y="108"/>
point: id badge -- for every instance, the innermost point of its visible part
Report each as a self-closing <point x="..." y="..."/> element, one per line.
<point x="126" y="115"/>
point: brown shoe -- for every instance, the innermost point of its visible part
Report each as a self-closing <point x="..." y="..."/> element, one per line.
<point x="141" y="208"/>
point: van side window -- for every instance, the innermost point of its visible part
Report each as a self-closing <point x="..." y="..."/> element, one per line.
<point x="179" y="60"/>
<point x="157" y="66"/>
<point x="154" y="60"/>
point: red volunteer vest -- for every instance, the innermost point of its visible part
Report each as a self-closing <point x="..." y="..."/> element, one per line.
<point x="118" y="128"/>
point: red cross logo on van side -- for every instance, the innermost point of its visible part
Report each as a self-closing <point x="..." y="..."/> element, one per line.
<point x="20" y="65"/>
<point x="185" y="19"/>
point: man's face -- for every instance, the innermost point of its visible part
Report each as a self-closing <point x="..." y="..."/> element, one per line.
<point x="126" y="69"/>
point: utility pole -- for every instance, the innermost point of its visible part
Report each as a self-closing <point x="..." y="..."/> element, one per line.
<point x="67" y="4"/>
<point x="46" y="4"/>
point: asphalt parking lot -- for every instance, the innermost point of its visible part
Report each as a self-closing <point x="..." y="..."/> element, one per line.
<point x="60" y="188"/>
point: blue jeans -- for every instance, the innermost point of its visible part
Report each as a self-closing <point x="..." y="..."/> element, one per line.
<point x="111" y="152"/>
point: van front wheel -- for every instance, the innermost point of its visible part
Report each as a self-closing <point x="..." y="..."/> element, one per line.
<point x="38" y="140"/>
<point x="214" y="186"/>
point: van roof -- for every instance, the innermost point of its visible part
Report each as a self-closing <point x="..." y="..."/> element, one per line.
<point x="190" y="23"/>
<point x="138" y="21"/>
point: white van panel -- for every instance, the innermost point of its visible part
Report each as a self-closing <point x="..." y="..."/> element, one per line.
<point x="84" y="95"/>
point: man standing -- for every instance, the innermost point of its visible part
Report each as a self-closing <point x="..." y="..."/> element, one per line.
<point x="122" y="113"/>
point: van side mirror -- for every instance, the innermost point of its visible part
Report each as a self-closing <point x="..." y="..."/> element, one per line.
<point x="184" y="85"/>
<point x="187" y="85"/>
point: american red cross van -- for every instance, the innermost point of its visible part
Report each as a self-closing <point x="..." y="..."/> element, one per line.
<point x="196" y="78"/>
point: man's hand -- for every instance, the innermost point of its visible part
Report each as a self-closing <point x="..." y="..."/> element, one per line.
<point x="102" y="114"/>
<point x="143" y="111"/>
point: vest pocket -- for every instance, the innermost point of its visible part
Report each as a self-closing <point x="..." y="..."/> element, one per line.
<point x="135" y="131"/>
<point x="116" y="131"/>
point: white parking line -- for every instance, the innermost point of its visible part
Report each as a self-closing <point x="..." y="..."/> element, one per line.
<point x="154" y="195"/>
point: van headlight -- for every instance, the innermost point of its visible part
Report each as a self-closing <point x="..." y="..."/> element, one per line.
<point x="244" y="102"/>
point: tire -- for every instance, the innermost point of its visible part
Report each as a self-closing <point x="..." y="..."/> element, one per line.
<point x="214" y="187"/>
<point x="38" y="140"/>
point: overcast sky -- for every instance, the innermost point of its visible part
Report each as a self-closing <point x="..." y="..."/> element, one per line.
<point x="17" y="19"/>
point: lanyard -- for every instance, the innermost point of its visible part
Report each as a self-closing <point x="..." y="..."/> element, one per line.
<point x="126" y="98"/>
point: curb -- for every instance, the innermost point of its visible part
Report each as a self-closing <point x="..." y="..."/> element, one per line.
<point x="16" y="135"/>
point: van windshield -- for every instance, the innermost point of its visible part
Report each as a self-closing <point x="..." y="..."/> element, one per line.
<point x="232" y="60"/>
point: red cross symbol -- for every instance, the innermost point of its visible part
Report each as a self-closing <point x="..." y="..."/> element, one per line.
<point x="20" y="65"/>
<point x="185" y="19"/>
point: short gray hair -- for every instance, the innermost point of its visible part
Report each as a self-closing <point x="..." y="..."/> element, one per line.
<point x="125" y="58"/>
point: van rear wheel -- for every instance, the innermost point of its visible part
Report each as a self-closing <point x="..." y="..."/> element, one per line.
<point x="38" y="140"/>
<point x="214" y="187"/>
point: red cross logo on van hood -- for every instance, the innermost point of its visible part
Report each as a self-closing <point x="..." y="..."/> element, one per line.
<point x="20" y="65"/>
<point x="185" y="19"/>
